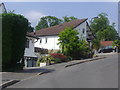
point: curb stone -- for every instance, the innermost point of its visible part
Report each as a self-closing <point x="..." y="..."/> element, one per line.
<point x="84" y="61"/>
<point x="6" y="84"/>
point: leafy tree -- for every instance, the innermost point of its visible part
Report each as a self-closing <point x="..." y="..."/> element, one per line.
<point x="14" y="28"/>
<point x="102" y="29"/>
<point x="68" y="19"/>
<point x="71" y="45"/>
<point x="30" y="28"/>
<point x="108" y="34"/>
<point x="47" y="21"/>
<point x="96" y="45"/>
<point x="100" y="23"/>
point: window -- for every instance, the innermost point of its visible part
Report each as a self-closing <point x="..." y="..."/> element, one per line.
<point x="83" y="31"/>
<point x="45" y="40"/>
<point x="27" y="43"/>
<point x="40" y="40"/>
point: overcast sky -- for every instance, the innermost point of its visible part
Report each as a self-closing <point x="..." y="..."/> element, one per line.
<point x="34" y="10"/>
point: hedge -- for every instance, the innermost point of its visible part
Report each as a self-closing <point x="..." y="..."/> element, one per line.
<point x="14" y="29"/>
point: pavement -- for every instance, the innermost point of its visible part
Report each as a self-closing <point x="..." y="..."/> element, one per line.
<point x="9" y="78"/>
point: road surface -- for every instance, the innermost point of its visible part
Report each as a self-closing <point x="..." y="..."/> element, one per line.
<point x="101" y="73"/>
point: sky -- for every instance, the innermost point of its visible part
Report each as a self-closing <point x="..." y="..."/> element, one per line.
<point x="33" y="11"/>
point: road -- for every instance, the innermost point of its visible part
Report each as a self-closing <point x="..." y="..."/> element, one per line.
<point x="101" y="73"/>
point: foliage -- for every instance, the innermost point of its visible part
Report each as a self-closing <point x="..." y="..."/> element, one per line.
<point x="14" y="28"/>
<point x="30" y="28"/>
<point x="102" y="29"/>
<point x="71" y="45"/>
<point x="68" y="19"/>
<point x="46" y="59"/>
<point x="47" y="21"/>
<point x="62" y="57"/>
<point x="116" y="43"/>
<point x="96" y="44"/>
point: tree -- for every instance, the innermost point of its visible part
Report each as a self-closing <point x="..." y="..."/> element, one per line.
<point x="96" y="45"/>
<point x="116" y="43"/>
<point x="47" y="21"/>
<point x="102" y="29"/>
<point x="71" y="45"/>
<point x="108" y="34"/>
<point x="14" y="28"/>
<point x="68" y="19"/>
<point x="30" y="28"/>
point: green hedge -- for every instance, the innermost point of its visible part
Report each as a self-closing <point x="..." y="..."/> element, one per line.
<point x="14" y="28"/>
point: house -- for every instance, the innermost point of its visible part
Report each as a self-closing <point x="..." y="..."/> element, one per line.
<point x="106" y="46"/>
<point x="30" y="58"/>
<point x="48" y="37"/>
<point x="2" y="8"/>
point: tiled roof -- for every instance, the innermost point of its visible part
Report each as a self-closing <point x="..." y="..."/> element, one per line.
<point x="55" y="30"/>
<point x="30" y="35"/>
<point x="106" y="43"/>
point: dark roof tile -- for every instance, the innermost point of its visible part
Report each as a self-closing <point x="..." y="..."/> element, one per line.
<point x="55" y="30"/>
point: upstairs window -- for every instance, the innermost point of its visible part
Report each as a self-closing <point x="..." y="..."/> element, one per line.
<point x="45" y="40"/>
<point x="27" y="43"/>
<point x="83" y="31"/>
<point x="40" y="40"/>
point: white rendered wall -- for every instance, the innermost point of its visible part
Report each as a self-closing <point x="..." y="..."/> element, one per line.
<point x="80" y="30"/>
<point x="30" y="51"/>
<point x="53" y="40"/>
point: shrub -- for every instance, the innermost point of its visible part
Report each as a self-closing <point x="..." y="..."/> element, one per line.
<point x="57" y="60"/>
<point x="46" y="59"/>
<point x="62" y="57"/>
<point x="14" y="28"/>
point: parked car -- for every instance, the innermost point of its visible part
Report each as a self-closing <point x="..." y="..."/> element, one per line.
<point x="105" y="50"/>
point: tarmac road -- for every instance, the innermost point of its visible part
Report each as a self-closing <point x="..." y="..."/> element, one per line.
<point x="95" y="74"/>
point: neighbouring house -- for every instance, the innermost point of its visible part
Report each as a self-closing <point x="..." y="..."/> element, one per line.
<point x="2" y="8"/>
<point x="30" y="58"/>
<point x="106" y="46"/>
<point x="48" y="37"/>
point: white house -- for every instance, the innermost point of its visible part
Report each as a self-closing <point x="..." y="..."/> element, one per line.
<point x="48" y="37"/>
<point x="29" y="55"/>
<point x="2" y="8"/>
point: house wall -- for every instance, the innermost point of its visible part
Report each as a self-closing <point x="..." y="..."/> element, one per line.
<point x="80" y="28"/>
<point x="53" y="40"/>
<point x="29" y="52"/>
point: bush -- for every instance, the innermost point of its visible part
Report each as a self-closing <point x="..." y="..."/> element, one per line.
<point x="59" y="56"/>
<point x="46" y="59"/>
<point x="14" y="28"/>
<point x="57" y="60"/>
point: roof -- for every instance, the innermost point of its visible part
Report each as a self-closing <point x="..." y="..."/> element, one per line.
<point x="2" y="7"/>
<point x="55" y="30"/>
<point x="32" y="36"/>
<point x="106" y="43"/>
